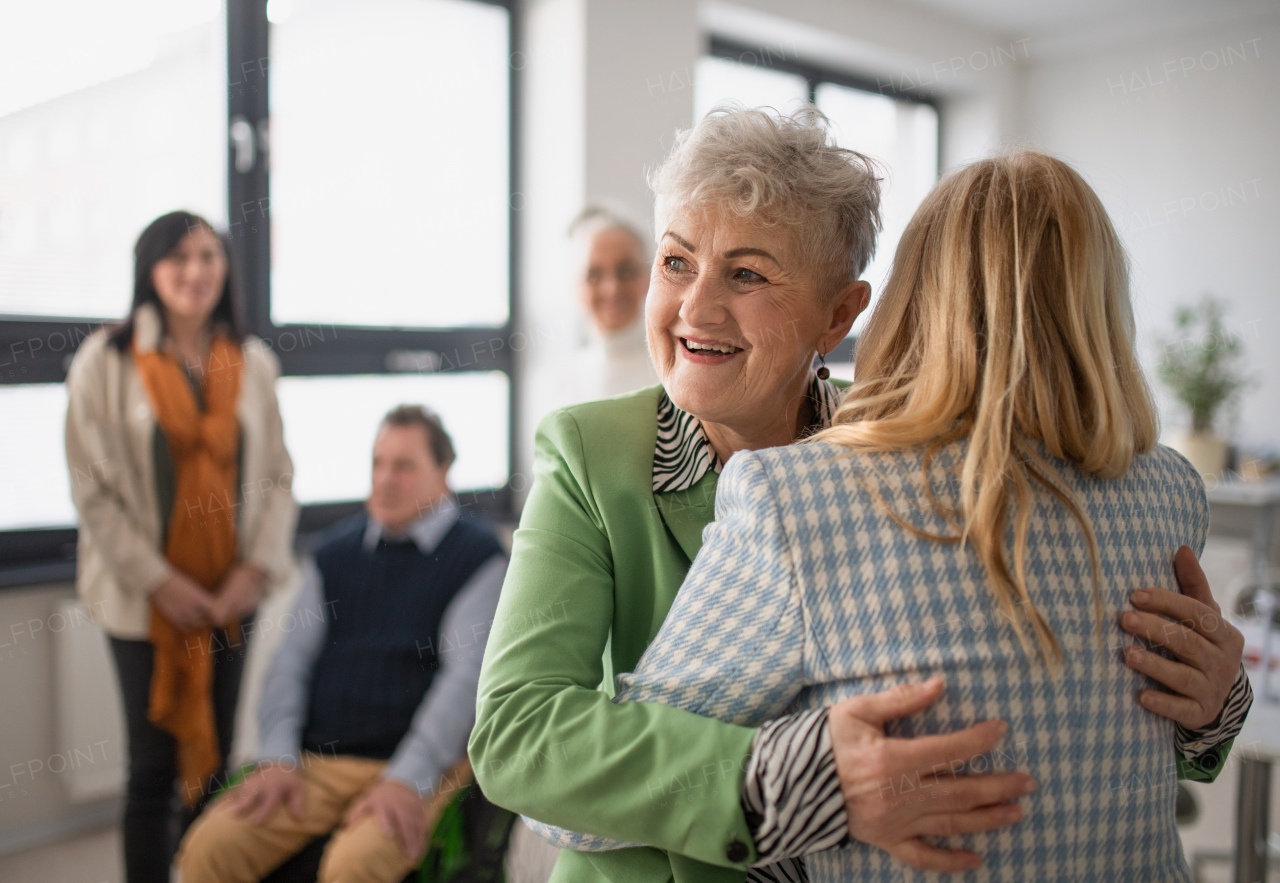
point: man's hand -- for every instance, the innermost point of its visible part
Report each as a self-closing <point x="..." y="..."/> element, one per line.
<point x="1191" y="627"/>
<point x="239" y="594"/>
<point x="183" y="602"/>
<point x="398" y="809"/>
<point x="873" y="768"/>
<point x="266" y="788"/>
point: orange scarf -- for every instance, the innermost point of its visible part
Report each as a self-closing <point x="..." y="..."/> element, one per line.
<point x="201" y="543"/>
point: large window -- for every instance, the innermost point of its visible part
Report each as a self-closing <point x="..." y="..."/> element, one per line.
<point x="389" y="229"/>
<point x="900" y="132"/>
<point x="389" y="135"/>
<point x="903" y="136"/>
<point x="118" y="120"/>
<point x="357" y="152"/>
<point x="37" y="492"/>
<point x="330" y="422"/>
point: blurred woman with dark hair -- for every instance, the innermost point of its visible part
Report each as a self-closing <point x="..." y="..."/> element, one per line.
<point x="182" y="483"/>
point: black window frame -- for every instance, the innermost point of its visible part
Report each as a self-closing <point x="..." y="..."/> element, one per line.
<point x="36" y="349"/>
<point x="778" y="58"/>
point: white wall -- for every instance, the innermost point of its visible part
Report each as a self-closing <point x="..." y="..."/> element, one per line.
<point x="1180" y="136"/>
<point x="550" y="189"/>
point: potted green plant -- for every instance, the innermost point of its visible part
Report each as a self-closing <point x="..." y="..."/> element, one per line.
<point x="1201" y="367"/>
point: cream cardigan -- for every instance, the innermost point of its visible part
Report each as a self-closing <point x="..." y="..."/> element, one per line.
<point x="109" y="434"/>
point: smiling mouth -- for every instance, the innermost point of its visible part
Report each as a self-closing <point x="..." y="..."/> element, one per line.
<point x="709" y="348"/>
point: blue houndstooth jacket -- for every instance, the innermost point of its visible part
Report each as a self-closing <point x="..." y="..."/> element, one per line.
<point x="806" y="593"/>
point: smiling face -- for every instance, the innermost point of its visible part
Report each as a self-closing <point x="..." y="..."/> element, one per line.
<point x="734" y="318"/>
<point x="614" y="282"/>
<point x="189" y="280"/>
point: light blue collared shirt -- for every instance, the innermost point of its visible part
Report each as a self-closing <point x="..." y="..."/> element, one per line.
<point x="437" y="736"/>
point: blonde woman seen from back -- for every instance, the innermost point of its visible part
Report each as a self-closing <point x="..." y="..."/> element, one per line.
<point x="989" y="493"/>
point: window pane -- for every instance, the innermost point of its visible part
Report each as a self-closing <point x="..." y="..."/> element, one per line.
<point x="720" y="80"/>
<point x="904" y="137"/>
<point x="33" y="465"/>
<point x="111" y="114"/>
<point x="389" y="161"/>
<point x="330" y="424"/>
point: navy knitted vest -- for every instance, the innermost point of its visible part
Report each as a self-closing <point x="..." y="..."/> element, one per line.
<point x="385" y="609"/>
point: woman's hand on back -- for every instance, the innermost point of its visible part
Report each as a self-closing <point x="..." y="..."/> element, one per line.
<point x="1190" y="625"/>
<point x="183" y="602"/>
<point x="899" y="791"/>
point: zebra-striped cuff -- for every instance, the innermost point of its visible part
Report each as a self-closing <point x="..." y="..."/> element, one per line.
<point x="1194" y="743"/>
<point x="789" y="870"/>
<point x="791" y="795"/>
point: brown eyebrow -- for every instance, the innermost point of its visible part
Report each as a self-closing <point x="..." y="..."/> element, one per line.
<point x="739" y="252"/>
<point x="681" y="240"/>
<point x="731" y="253"/>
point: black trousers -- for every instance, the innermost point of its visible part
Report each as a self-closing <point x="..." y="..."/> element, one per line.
<point x="154" y="816"/>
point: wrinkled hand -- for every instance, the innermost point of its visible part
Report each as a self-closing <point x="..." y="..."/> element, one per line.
<point x="239" y="594"/>
<point x="1189" y="625"/>
<point x="398" y="810"/>
<point x="266" y="788"/>
<point x="183" y="602"/>
<point x="873" y="767"/>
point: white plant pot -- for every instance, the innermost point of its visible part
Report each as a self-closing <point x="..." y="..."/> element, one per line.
<point x="1207" y="452"/>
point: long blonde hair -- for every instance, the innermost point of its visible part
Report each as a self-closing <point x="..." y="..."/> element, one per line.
<point x="1006" y="320"/>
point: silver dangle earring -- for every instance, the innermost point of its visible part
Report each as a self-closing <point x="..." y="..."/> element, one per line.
<point x="823" y="371"/>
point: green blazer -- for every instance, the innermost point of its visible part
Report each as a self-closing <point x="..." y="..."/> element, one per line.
<point x="595" y="565"/>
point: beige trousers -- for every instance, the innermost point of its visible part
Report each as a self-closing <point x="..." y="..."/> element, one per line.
<point x="221" y="847"/>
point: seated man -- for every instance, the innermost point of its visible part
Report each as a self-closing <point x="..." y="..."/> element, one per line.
<point x="367" y="707"/>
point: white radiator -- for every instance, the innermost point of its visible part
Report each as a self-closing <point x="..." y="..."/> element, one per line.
<point x="88" y="714"/>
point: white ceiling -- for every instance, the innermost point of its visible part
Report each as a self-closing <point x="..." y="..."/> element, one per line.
<point x="1055" y="18"/>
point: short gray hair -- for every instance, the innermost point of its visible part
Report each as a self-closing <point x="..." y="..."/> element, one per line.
<point x="779" y="170"/>
<point x="594" y="218"/>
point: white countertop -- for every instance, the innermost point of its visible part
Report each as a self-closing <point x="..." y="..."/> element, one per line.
<point x="1244" y="493"/>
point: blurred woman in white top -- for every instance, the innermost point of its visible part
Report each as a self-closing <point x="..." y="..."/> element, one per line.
<point x="612" y="280"/>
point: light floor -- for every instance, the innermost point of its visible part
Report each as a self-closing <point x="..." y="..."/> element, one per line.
<point x="94" y="857"/>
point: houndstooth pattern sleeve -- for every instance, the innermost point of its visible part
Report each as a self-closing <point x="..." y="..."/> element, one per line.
<point x="732" y="647"/>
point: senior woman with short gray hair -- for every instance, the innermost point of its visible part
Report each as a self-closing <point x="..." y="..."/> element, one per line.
<point x="764" y="228"/>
